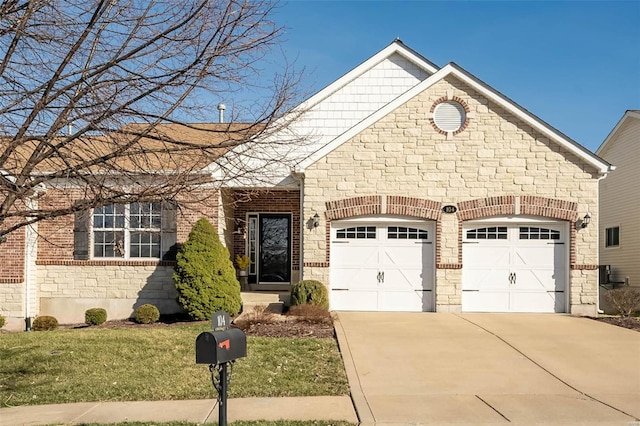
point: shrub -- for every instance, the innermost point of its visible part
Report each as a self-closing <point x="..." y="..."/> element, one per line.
<point x="311" y="313"/>
<point x="44" y="323"/>
<point x="146" y="314"/>
<point x="310" y="292"/>
<point x="625" y="300"/>
<point x="95" y="316"/>
<point x="259" y="314"/>
<point x="2" y="321"/>
<point x="243" y="262"/>
<point x="204" y="275"/>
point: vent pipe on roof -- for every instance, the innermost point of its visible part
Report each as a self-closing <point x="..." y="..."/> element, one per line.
<point x="221" y="108"/>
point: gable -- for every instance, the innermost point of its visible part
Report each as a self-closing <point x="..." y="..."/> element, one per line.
<point x="452" y="70"/>
<point x="624" y="139"/>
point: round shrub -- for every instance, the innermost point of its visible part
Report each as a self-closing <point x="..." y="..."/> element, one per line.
<point x="310" y="292"/>
<point x="204" y="275"/>
<point x="95" y="316"/>
<point x="2" y="321"/>
<point x="44" y="323"/>
<point x="147" y="314"/>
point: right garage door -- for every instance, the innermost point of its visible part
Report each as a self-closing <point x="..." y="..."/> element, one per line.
<point x="509" y="267"/>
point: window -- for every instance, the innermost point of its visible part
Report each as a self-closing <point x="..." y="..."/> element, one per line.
<point x="127" y="230"/>
<point x="357" y="232"/>
<point x="534" y="233"/>
<point x="492" y="233"/>
<point x="612" y="237"/>
<point x="402" y="233"/>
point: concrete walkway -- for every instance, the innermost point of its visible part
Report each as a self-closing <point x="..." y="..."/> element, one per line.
<point x="197" y="411"/>
<point x="438" y="369"/>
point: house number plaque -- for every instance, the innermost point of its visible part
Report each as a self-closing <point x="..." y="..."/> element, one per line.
<point x="449" y="209"/>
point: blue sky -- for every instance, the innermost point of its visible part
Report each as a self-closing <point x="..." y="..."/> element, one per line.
<point x="574" y="64"/>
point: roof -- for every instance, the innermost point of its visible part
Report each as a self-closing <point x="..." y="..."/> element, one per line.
<point x="458" y="72"/>
<point x="628" y="115"/>
<point x="163" y="148"/>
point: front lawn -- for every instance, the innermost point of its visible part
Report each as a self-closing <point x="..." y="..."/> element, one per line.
<point x="132" y="364"/>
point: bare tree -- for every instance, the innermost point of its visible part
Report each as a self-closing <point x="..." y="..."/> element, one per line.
<point x="98" y="96"/>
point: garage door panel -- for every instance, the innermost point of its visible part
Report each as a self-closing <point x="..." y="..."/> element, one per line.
<point x="387" y="273"/>
<point x="354" y="300"/>
<point x="405" y="301"/>
<point x="408" y="280"/>
<point x="356" y="255"/>
<point x="406" y="256"/>
<point x="523" y="269"/>
<point x="535" y="301"/>
<point x="357" y="278"/>
<point x="482" y="255"/>
<point x="485" y="301"/>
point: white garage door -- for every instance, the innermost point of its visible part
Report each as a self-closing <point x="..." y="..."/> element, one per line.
<point x="514" y="267"/>
<point x="382" y="266"/>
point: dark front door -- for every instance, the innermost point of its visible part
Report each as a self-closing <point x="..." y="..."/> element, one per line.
<point x="275" y="249"/>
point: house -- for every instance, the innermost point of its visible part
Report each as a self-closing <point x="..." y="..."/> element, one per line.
<point x="619" y="243"/>
<point x="420" y="189"/>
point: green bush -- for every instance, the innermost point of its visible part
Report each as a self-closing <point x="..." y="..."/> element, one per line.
<point x="204" y="275"/>
<point x="44" y="323"/>
<point x="146" y="314"/>
<point x="310" y="292"/>
<point x="2" y="321"/>
<point x="95" y="316"/>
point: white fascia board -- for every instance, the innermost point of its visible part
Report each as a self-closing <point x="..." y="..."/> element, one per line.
<point x="451" y="69"/>
<point x="393" y="48"/>
<point x="627" y="116"/>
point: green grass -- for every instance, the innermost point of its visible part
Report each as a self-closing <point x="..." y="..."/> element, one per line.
<point x="156" y="364"/>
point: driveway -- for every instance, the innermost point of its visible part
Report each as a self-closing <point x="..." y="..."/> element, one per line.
<point x="519" y="369"/>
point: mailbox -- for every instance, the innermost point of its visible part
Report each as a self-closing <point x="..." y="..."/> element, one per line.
<point x="218" y="347"/>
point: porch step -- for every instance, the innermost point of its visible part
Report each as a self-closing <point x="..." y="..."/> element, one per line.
<point x="274" y="300"/>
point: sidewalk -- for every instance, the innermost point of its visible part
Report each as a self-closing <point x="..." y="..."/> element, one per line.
<point x="197" y="411"/>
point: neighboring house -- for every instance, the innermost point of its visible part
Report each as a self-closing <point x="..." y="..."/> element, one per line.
<point x="420" y="189"/>
<point x="619" y="228"/>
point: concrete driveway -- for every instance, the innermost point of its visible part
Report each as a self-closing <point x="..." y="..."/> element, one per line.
<point x="520" y="369"/>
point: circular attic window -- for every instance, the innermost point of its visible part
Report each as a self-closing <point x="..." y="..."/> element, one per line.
<point x="449" y="116"/>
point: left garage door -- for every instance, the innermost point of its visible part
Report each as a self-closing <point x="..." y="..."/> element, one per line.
<point x="382" y="265"/>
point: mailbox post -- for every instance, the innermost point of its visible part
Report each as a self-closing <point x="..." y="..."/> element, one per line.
<point x="219" y="348"/>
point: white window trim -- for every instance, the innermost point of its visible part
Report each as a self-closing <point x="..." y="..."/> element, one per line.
<point x="127" y="237"/>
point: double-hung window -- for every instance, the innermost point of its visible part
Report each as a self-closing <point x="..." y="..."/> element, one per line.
<point x="612" y="238"/>
<point x="127" y="230"/>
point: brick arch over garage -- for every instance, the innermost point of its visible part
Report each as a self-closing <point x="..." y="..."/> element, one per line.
<point x="376" y="205"/>
<point x="526" y="205"/>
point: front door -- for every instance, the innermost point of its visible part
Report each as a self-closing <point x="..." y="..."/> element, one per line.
<point x="274" y="248"/>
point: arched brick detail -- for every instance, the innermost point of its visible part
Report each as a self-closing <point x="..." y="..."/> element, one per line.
<point x="414" y="207"/>
<point x="379" y="205"/>
<point x="548" y="207"/>
<point x="485" y="207"/>
<point x="356" y="206"/>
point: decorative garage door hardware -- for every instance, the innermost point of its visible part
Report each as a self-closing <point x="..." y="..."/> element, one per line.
<point x="381" y="277"/>
<point x="512" y="278"/>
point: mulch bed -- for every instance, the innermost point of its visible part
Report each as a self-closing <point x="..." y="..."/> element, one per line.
<point x="282" y="326"/>
<point x="632" y="323"/>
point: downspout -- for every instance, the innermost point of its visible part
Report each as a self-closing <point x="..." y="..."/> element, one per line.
<point x="30" y="250"/>
<point x="598" y="310"/>
<point x="300" y="178"/>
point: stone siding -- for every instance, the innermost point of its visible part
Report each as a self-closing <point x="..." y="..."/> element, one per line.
<point x="119" y="288"/>
<point x="496" y="155"/>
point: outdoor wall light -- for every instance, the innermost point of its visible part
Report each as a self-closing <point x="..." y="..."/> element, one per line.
<point x="316" y="220"/>
<point x="586" y="220"/>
